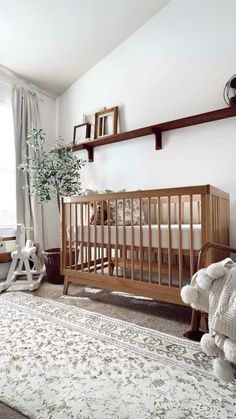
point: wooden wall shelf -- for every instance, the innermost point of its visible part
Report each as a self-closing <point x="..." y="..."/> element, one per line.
<point x="156" y="129"/>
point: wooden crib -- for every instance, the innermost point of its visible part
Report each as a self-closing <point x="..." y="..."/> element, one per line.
<point x="149" y="243"/>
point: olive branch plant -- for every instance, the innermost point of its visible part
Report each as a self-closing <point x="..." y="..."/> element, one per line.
<point x="51" y="173"/>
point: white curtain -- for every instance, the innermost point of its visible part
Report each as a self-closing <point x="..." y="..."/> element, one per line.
<point x="26" y="117"/>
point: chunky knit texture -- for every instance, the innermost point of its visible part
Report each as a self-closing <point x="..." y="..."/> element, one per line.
<point x="224" y="319"/>
<point x="215" y="287"/>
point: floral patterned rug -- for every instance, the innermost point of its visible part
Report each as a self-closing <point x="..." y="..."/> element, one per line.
<point x="60" y="362"/>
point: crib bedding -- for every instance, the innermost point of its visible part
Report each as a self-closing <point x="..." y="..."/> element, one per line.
<point x="164" y="235"/>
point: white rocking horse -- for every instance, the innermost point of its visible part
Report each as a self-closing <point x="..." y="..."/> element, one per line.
<point x="24" y="254"/>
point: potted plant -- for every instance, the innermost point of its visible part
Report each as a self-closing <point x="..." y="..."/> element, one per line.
<point x="53" y="173"/>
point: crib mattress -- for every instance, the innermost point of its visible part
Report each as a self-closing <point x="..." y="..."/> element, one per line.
<point x="174" y="233"/>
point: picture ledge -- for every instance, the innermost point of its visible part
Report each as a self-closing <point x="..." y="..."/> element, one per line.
<point x="156" y="130"/>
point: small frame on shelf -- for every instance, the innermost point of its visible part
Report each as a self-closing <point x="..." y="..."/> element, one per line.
<point x="81" y="132"/>
<point x="106" y="122"/>
<point x="90" y="117"/>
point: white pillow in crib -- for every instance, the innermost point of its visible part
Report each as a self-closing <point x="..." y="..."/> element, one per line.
<point x="136" y="205"/>
<point x="92" y="192"/>
<point x="136" y="212"/>
<point x="106" y="191"/>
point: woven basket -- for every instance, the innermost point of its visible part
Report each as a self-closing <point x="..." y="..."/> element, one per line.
<point x="52" y="263"/>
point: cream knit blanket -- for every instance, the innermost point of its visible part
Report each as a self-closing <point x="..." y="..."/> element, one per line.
<point x="223" y="319"/>
<point x="213" y="290"/>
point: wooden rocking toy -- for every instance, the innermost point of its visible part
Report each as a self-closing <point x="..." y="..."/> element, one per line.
<point x="24" y="257"/>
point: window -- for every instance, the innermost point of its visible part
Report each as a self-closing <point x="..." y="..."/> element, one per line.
<point x="7" y="169"/>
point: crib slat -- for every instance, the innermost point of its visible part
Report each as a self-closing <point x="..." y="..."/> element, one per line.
<point x="76" y="236"/>
<point x="89" y="243"/>
<point x="213" y="218"/>
<point x="169" y="242"/>
<point x="70" y="240"/>
<point x="224" y="217"/>
<point x="132" y="238"/>
<point x="140" y="239"/>
<point x="191" y="234"/>
<point x="95" y="237"/>
<point x="85" y="243"/>
<point x="227" y="214"/>
<point x="198" y="211"/>
<point x="82" y="235"/>
<point x="182" y="211"/>
<point x="218" y="219"/>
<point x="109" y="235"/>
<point x="149" y="242"/>
<point x="175" y="212"/>
<point x="180" y="252"/>
<point x="203" y="220"/>
<point x="159" y="240"/>
<point x="102" y="237"/>
<point x="154" y="213"/>
<point x="116" y="245"/>
<point x="124" y="241"/>
<point x="225" y="220"/>
<point x="221" y="225"/>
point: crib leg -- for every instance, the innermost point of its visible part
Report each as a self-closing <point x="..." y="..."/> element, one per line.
<point x="194" y="333"/>
<point x="66" y="286"/>
<point x="195" y="320"/>
<point x="206" y="324"/>
<point x="112" y="267"/>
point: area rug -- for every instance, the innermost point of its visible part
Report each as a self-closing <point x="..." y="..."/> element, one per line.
<point x="60" y="362"/>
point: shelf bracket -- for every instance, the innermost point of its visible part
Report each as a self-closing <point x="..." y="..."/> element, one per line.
<point x="158" y="135"/>
<point x="90" y="153"/>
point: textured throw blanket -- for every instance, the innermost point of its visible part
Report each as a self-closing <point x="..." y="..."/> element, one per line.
<point x="213" y="290"/>
<point x="223" y="320"/>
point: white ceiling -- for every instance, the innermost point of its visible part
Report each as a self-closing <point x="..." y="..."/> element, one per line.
<point x="53" y="42"/>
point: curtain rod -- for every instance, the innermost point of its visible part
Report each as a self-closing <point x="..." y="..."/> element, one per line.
<point x="35" y="89"/>
<point x="7" y="83"/>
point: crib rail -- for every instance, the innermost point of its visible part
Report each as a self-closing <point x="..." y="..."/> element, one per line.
<point x="144" y="242"/>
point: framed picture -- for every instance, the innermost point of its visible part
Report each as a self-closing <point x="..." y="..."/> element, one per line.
<point x="106" y="122"/>
<point x="90" y="118"/>
<point x="81" y="132"/>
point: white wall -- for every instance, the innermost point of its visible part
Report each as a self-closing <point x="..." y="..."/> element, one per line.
<point x="176" y="65"/>
<point x="48" y="122"/>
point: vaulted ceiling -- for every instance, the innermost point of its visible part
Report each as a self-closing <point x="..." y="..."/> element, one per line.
<point x="52" y="43"/>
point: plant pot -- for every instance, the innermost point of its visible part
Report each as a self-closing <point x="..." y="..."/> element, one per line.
<point x="52" y="263"/>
